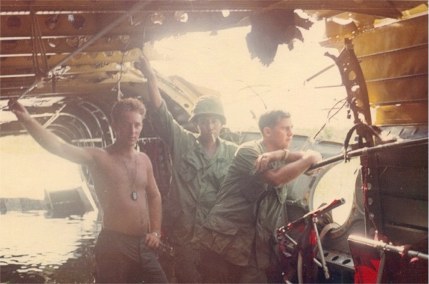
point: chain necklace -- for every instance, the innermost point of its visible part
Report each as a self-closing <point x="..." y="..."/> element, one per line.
<point x="132" y="177"/>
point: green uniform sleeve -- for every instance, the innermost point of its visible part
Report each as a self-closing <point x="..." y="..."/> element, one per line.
<point x="252" y="183"/>
<point x="172" y="133"/>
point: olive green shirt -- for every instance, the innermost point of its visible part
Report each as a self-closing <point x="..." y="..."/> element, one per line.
<point x="247" y="212"/>
<point x="196" y="178"/>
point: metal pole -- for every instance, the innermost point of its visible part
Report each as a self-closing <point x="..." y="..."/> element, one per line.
<point x="318" y="73"/>
<point x="366" y="150"/>
<point x="381" y="266"/>
<point x="319" y="247"/>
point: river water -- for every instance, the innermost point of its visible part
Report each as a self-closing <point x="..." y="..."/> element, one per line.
<point x="37" y="249"/>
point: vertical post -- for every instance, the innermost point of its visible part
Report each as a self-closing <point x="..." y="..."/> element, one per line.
<point x="381" y="266"/>
<point x="319" y="247"/>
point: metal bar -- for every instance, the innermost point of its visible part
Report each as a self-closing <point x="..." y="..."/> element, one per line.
<point x="425" y="75"/>
<point x="413" y="253"/>
<point x="386" y="247"/>
<point x="319" y="73"/>
<point x="329" y="86"/>
<point x="381" y="266"/>
<point x="98" y="119"/>
<point x="400" y="102"/>
<point x="366" y="150"/>
<point x="422" y="45"/>
<point x="54" y="116"/>
<point x="319" y="247"/>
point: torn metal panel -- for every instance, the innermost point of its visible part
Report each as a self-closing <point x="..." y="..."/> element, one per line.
<point x="393" y="57"/>
<point x="37" y="36"/>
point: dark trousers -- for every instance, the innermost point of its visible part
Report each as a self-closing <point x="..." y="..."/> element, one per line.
<point x="215" y="269"/>
<point x="125" y="259"/>
<point x="187" y="261"/>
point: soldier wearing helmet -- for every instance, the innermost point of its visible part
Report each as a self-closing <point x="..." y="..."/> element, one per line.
<point x="200" y="163"/>
<point x="209" y="105"/>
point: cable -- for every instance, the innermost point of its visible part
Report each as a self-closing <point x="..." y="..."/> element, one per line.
<point x="330" y="117"/>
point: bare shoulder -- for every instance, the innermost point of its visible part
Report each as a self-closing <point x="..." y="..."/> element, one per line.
<point x="97" y="152"/>
<point x="144" y="158"/>
<point x="99" y="155"/>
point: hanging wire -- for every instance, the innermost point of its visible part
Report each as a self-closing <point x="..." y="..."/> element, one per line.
<point x="250" y="87"/>
<point x="329" y="117"/>
<point x="120" y="95"/>
<point x="40" y="68"/>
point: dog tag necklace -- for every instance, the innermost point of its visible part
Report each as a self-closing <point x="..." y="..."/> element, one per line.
<point x="132" y="177"/>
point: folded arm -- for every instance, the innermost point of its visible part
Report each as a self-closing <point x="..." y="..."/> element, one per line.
<point x="299" y="162"/>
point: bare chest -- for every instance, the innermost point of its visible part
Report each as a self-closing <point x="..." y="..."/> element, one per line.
<point x="122" y="175"/>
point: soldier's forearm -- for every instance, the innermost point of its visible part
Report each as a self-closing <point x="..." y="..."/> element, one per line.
<point x="154" y="93"/>
<point x="155" y="214"/>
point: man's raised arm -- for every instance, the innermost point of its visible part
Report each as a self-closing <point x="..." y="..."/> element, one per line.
<point x="144" y="66"/>
<point x="48" y="140"/>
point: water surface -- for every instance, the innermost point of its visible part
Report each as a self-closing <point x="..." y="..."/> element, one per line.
<point x="37" y="249"/>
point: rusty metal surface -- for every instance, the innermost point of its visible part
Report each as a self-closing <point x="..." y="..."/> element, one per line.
<point x="38" y="35"/>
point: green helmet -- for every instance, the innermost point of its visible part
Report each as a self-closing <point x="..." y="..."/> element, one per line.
<point x="208" y="105"/>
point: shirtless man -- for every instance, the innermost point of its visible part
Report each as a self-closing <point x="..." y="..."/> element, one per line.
<point x="126" y="188"/>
